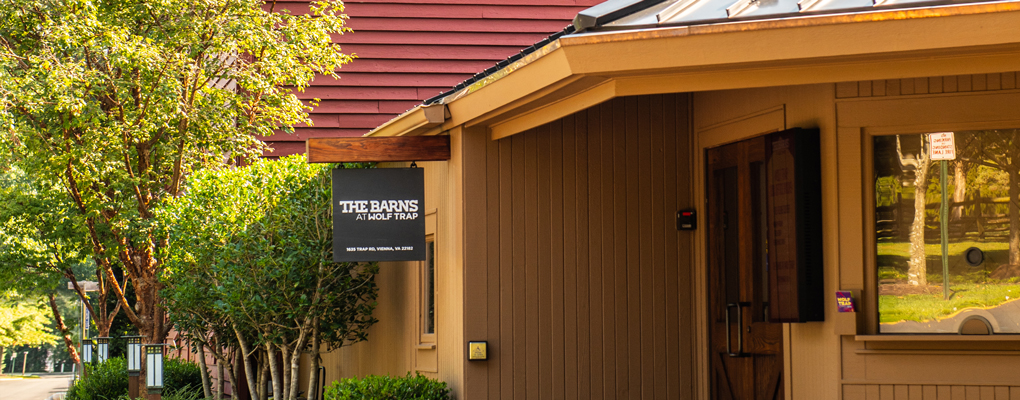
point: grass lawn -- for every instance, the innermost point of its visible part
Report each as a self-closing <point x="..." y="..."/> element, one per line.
<point x="927" y="307"/>
<point x="892" y="258"/>
<point x="902" y="249"/>
<point x="971" y="286"/>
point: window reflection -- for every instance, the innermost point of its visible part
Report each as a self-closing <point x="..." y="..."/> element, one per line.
<point x="928" y="287"/>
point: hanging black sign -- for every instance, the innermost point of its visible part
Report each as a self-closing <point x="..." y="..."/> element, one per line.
<point x="378" y="214"/>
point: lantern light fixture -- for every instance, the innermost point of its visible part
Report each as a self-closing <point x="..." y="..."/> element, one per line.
<point x="86" y="350"/>
<point x="134" y="354"/>
<point x="154" y="367"/>
<point x="102" y="349"/>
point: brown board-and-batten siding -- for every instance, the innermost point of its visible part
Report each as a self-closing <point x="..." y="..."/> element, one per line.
<point x="575" y="272"/>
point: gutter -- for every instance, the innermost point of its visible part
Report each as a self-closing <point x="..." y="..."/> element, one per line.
<point x="414" y="121"/>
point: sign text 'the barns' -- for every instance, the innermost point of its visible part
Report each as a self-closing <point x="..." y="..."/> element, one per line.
<point x="377" y="214"/>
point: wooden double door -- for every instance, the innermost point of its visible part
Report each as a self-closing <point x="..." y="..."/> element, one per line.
<point x="746" y="350"/>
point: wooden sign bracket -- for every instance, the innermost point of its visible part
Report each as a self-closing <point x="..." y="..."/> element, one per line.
<point x="378" y="149"/>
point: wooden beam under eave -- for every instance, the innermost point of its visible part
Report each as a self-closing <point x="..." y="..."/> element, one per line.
<point x="378" y="149"/>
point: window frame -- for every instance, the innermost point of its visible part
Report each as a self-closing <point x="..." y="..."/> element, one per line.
<point x="424" y="282"/>
<point x="428" y="339"/>
<point x="869" y="142"/>
<point x="858" y="122"/>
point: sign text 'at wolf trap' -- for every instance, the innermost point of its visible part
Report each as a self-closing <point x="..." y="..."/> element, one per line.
<point x="378" y="214"/>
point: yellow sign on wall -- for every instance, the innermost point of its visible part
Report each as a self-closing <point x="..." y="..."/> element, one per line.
<point x="478" y="351"/>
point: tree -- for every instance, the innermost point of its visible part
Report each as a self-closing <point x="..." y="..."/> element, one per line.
<point x="917" y="270"/>
<point x="252" y="254"/>
<point x="23" y="322"/>
<point x="41" y="249"/>
<point x="116" y="102"/>
<point x="1000" y="149"/>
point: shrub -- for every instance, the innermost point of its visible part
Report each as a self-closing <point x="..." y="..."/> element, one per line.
<point x="181" y="377"/>
<point x="106" y="381"/>
<point x="373" y="387"/>
<point x="109" y="381"/>
<point x="182" y="395"/>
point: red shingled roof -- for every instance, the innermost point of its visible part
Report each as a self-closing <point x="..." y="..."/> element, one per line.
<point x="410" y="50"/>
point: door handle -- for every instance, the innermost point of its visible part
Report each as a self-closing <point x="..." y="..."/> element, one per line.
<point x="740" y="329"/>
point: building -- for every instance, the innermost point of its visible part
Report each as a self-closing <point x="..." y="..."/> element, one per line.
<point x="555" y="222"/>
<point x="409" y="51"/>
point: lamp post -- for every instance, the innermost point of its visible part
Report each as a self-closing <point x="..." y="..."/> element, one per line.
<point x="24" y="363"/>
<point x="86" y="323"/>
<point x="154" y="370"/>
<point x="134" y="363"/>
<point x="86" y="351"/>
<point x="102" y="349"/>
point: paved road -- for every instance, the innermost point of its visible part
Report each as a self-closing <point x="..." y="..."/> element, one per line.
<point x="33" y="389"/>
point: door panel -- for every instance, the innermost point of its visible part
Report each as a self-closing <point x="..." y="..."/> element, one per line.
<point x="746" y="348"/>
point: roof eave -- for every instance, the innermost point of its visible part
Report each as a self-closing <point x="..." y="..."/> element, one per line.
<point x="589" y="55"/>
<point x="413" y="122"/>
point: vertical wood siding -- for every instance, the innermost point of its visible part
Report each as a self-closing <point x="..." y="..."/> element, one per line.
<point x="411" y="50"/>
<point x="391" y="348"/>
<point x="588" y="282"/>
<point x="930" y="85"/>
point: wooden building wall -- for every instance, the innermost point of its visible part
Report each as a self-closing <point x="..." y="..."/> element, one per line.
<point x="411" y="50"/>
<point x="843" y="358"/>
<point x="575" y="272"/>
<point x="388" y="350"/>
<point x="394" y="345"/>
<point x="914" y="367"/>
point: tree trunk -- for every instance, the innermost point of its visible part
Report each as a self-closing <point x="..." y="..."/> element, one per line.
<point x="261" y="377"/>
<point x="959" y="189"/>
<point x="204" y="369"/>
<point x="1014" y="216"/>
<point x="220" y="371"/>
<point x="917" y="272"/>
<point x="225" y="361"/>
<point x="313" y="376"/>
<point x="232" y="354"/>
<point x="71" y="350"/>
<point x="274" y="371"/>
<point x="249" y="372"/>
<point x="104" y="320"/>
<point x="294" y="362"/>
<point x="295" y="365"/>
<point x="264" y="378"/>
<point x="285" y="353"/>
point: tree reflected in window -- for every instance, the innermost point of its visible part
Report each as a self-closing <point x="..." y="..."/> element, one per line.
<point x="923" y="285"/>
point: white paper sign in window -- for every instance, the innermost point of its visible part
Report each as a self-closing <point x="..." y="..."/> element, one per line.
<point x="943" y="147"/>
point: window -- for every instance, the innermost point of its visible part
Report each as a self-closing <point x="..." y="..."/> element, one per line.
<point x="947" y="230"/>
<point x="428" y="273"/>
<point x="428" y="311"/>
